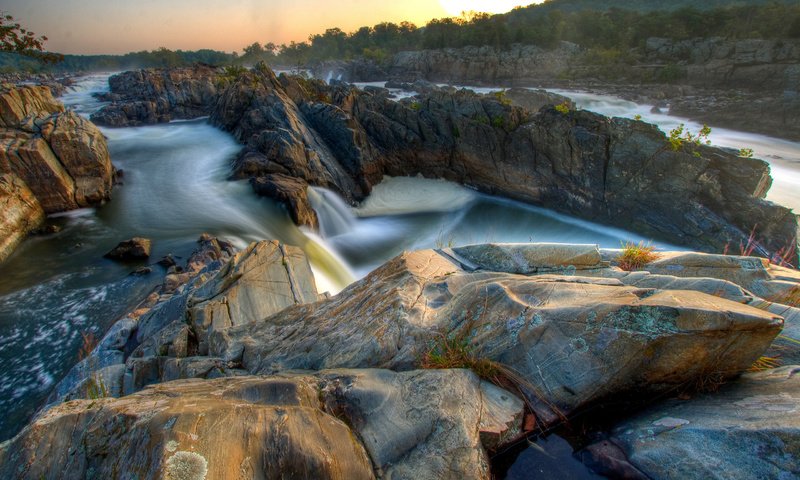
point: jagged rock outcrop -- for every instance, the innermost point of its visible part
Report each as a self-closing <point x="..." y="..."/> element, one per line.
<point x="61" y="158"/>
<point x="748" y="429"/>
<point x="217" y="289"/>
<point x="143" y="97"/>
<point x="292" y="192"/>
<point x="613" y="171"/>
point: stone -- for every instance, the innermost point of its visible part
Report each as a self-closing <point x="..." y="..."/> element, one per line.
<point x="271" y="427"/>
<point x="331" y="424"/>
<point x="425" y="423"/>
<point x="51" y="160"/>
<point x="22" y="213"/>
<point x="261" y="280"/>
<point x="143" y="97"/>
<point x="748" y="429"/>
<point x="580" y="163"/>
<point x="292" y="193"/>
<point x="216" y="290"/>
<point x="534" y="99"/>
<point x="565" y="335"/>
<point x="137" y="248"/>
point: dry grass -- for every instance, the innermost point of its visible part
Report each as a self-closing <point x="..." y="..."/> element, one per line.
<point x="449" y="352"/>
<point x="89" y="342"/>
<point x="635" y="256"/>
<point x="765" y="363"/>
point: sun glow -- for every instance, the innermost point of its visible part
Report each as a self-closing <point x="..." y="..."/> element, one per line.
<point x="455" y="7"/>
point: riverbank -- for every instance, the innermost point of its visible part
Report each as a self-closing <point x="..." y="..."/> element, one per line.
<point x="483" y="307"/>
<point x="747" y="84"/>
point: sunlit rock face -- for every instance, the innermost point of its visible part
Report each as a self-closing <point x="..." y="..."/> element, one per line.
<point x="562" y="327"/>
<point x="61" y="158"/>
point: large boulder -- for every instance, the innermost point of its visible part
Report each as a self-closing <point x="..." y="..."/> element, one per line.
<point x="575" y="340"/>
<point x="332" y="424"/>
<point x="748" y="429"/>
<point x="198" y="430"/>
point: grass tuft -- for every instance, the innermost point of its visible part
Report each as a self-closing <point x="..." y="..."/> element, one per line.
<point x="635" y="256"/>
<point x="765" y="363"/>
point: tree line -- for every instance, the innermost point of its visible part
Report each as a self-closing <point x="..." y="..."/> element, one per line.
<point x="608" y="27"/>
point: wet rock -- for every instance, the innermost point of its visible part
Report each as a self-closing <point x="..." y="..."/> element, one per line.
<point x="167" y="261"/>
<point x="142" y="271"/>
<point x="748" y="429"/>
<point x="578" y="327"/>
<point x="137" y="248"/>
<point x="292" y="193"/>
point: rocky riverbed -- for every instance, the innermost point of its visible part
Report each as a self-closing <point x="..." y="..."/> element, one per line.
<point x="245" y="339"/>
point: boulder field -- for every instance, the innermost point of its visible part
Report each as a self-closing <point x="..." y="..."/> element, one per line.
<point x="610" y="170"/>
<point x="424" y="367"/>
<point x="51" y="160"/>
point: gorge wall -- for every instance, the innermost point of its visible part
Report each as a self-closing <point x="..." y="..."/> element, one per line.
<point x="51" y="160"/>
<point x="749" y="84"/>
<point x="614" y="171"/>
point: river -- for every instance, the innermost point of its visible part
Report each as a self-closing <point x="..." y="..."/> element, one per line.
<point x="57" y="288"/>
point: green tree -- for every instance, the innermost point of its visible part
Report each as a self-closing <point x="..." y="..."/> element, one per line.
<point x="15" y="38"/>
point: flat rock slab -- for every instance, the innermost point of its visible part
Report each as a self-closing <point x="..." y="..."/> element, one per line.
<point x="332" y="424"/>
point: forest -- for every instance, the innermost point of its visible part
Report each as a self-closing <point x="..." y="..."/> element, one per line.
<point x="608" y="28"/>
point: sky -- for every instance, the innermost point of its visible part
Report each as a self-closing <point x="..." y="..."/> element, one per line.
<point x="120" y="26"/>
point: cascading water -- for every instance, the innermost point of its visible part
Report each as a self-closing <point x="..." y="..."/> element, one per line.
<point x="55" y="289"/>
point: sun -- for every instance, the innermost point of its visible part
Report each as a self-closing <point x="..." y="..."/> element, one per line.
<point x="455" y="7"/>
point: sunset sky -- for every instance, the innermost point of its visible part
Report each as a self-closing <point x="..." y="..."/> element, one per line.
<point x="119" y="26"/>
